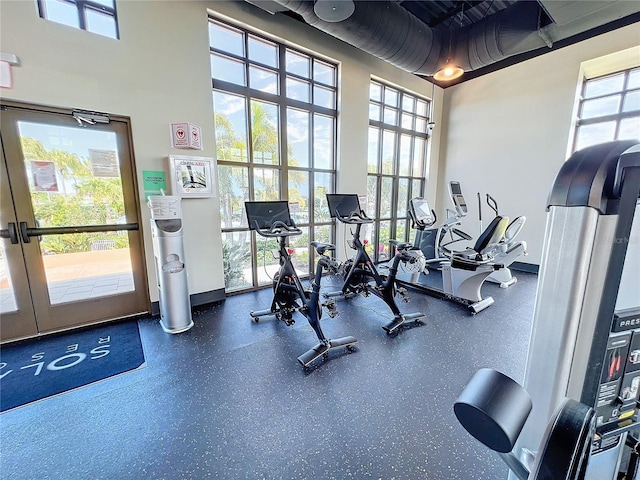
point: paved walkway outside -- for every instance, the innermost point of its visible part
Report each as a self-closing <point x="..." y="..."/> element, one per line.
<point x="75" y="276"/>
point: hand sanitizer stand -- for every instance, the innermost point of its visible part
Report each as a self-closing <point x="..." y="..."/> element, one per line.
<point x="171" y="273"/>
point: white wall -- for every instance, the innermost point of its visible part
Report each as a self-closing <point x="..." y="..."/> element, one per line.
<point x="158" y="72"/>
<point x="507" y="133"/>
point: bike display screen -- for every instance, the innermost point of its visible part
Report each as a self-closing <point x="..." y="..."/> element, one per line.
<point x="343" y="204"/>
<point x="421" y="210"/>
<point x="262" y="215"/>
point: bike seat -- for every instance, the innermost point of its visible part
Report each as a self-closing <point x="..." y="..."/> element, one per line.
<point x="322" y="247"/>
<point x="401" y="245"/>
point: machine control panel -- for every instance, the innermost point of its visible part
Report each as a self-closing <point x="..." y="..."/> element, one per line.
<point x="618" y="393"/>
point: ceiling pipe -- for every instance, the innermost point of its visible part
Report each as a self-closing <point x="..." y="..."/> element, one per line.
<point x="388" y="31"/>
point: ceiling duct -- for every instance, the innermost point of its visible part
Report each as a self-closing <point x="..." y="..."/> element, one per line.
<point x="388" y="31"/>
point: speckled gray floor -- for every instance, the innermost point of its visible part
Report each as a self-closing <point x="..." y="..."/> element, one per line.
<point x="228" y="399"/>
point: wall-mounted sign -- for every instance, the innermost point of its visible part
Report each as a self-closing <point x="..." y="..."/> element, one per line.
<point x="104" y="163"/>
<point x="5" y="75"/>
<point x="192" y="176"/>
<point x="186" y="135"/>
<point x="154" y="182"/>
<point x="44" y="176"/>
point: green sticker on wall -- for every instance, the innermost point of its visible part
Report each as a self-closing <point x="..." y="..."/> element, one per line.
<point x="154" y="180"/>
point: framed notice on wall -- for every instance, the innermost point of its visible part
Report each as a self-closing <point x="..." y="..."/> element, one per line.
<point x="192" y="177"/>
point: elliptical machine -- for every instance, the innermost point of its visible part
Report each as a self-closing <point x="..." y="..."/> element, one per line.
<point x="273" y="220"/>
<point x="435" y="243"/>
<point x="360" y="274"/>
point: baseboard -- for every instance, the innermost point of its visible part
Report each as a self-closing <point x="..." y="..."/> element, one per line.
<point x="524" y="267"/>
<point x="196" y="299"/>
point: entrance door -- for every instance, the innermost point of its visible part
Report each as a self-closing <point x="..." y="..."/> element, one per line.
<point x="71" y="248"/>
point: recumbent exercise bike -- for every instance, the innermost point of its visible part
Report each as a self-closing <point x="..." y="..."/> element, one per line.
<point x="273" y="220"/>
<point x="360" y="274"/>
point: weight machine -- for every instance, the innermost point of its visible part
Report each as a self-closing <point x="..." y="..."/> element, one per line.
<point x="585" y="340"/>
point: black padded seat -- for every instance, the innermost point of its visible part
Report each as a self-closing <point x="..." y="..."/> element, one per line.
<point x="322" y="247"/>
<point x="492" y="234"/>
<point x="401" y="245"/>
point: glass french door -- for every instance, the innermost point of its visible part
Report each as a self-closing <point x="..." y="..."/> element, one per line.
<point x="71" y="250"/>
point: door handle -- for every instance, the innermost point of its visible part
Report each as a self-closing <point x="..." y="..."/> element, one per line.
<point x="24" y="232"/>
<point x="11" y="232"/>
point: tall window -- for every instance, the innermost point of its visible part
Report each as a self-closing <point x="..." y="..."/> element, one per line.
<point x="398" y="126"/>
<point x="275" y="123"/>
<point x="609" y="109"/>
<point x="97" y="16"/>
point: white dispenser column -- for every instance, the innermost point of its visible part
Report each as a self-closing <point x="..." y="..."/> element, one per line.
<point x="171" y="272"/>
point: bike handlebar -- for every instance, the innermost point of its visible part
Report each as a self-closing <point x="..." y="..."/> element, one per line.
<point x="278" y="229"/>
<point x="354" y="217"/>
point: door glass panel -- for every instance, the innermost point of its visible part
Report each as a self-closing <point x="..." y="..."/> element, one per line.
<point x="74" y="180"/>
<point x="97" y="266"/>
<point x="7" y="294"/>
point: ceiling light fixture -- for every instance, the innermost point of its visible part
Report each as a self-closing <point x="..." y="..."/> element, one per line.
<point x="334" y="10"/>
<point x="450" y="71"/>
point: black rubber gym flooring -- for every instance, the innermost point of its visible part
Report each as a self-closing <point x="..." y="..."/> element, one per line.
<point x="228" y="399"/>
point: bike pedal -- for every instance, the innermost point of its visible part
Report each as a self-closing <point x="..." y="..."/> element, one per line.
<point x="332" y="308"/>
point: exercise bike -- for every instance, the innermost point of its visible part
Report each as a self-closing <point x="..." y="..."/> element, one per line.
<point x="435" y="243"/>
<point x="463" y="271"/>
<point x="273" y="220"/>
<point x="507" y="250"/>
<point x="360" y="274"/>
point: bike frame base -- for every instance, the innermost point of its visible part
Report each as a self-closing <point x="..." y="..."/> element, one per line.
<point x="403" y="319"/>
<point x="322" y="349"/>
